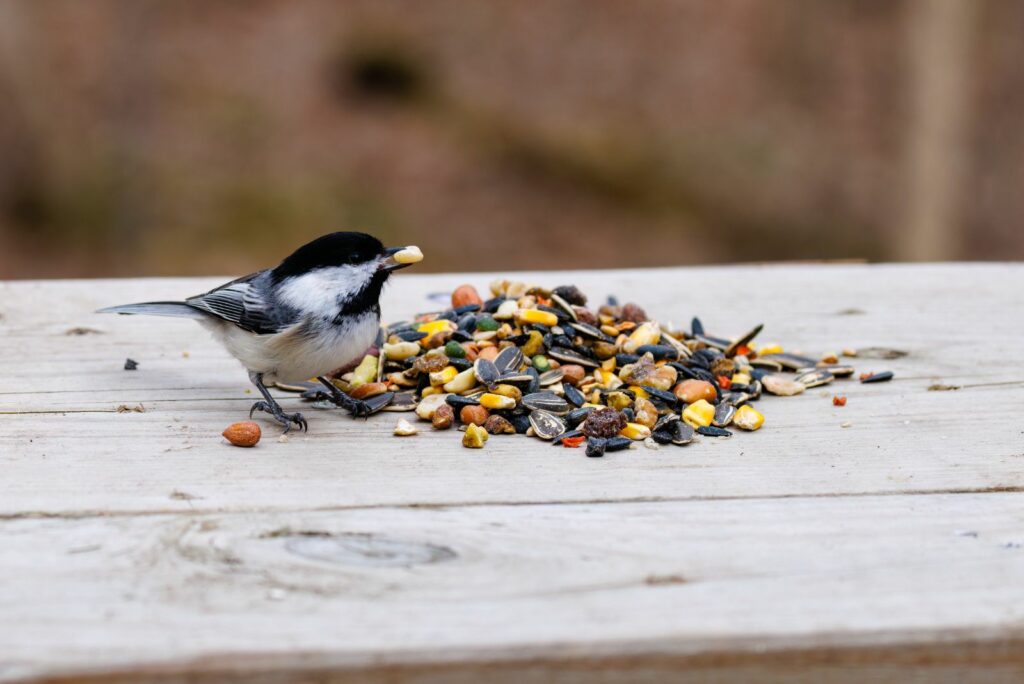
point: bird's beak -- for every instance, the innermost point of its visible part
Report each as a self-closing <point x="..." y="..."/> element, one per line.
<point x="400" y="257"/>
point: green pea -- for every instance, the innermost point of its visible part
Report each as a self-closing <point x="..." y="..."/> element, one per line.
<point x="541" y="363"/>
<point x="487" y="323"/>
<point x="454" y="350"/>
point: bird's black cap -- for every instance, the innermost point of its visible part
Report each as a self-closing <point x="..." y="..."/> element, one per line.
<point x="333" y="249"/>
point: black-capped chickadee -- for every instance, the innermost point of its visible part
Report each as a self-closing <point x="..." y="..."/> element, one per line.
<point x="315" y="312"/>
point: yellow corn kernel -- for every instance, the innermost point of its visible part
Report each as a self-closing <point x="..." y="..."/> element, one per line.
<point x="608" y="365"/>
<point x="365" y="372"/>
<point x="648" y="333"/>
<point x="618" y="400"/>
<point x="537" y="317"/>
<point x="508" y="391"/>
<point x="640" y="392"/>
<point x="699" y="414"/>
<point x="427" y="391"/>
<point x="445" y="375"/>
<point x="474" y="437"/>
<point x="441" y="325"/>
<point x="610" y="330"/>
<point x="607" y="379"/>
<point x="766" y="349"/>
<point x="748" y="418"/>
<point x="635" y="431"/>
<point x="458" y="383"/>
<point x="740" y="379"/>
<point x="496" y="401"/>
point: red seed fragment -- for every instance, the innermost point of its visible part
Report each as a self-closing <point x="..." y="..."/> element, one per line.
<point x="573" y="442"/>
<point x="724" y="382"/>
<point x="838" y="400"/>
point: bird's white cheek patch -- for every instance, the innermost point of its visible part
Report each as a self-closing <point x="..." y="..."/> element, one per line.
<point x="318" y="292"/>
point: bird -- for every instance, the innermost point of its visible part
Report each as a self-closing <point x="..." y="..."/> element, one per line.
<point x="316" y="311"/>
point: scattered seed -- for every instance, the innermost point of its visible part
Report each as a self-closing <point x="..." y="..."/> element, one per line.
<point x="474" y="437"/>
<point x="404" y="428"/>
<point x="748" y="418"/>
<point x="443" y="417"/>
<point x="884" y="376"/>
<point x="244" y="434"/>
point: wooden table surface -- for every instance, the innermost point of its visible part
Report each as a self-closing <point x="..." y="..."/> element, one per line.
<point x="138" y="546"/>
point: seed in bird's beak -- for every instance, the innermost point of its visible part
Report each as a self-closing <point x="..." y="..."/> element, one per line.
<point x="401" y="257"/>
<point x="408" y="255"/>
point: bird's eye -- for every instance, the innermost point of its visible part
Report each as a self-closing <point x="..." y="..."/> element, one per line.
<point x="355" y="258"/>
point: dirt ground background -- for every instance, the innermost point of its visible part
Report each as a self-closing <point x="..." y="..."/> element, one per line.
<point x="150" y="137"/>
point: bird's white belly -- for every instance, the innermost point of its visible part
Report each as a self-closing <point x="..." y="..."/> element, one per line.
<point x="297" y="354"/>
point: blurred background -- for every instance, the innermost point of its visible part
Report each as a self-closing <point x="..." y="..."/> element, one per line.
<point x="158" y="137"/>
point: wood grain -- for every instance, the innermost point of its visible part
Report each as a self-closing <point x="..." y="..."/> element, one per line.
<point x="623" y="580"/>
<point x="66" y="450"/>
<point x="140" y="547"/>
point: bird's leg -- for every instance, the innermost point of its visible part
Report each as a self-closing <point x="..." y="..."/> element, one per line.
<point x="357" y="407"/>
<point x="273" y="408"/>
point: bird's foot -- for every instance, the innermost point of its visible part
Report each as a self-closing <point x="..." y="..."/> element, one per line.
<point x="357" y="407"/>
<point x="285" y="419"/>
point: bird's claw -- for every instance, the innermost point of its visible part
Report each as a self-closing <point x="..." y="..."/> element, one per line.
<point x="359" y="408"/>
<point x="285" y="419"/>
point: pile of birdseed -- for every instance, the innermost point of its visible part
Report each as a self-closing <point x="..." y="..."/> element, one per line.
<point x="539" y="362"/>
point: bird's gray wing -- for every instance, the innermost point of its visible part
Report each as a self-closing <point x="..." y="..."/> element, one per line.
<point x="246" y="302"/>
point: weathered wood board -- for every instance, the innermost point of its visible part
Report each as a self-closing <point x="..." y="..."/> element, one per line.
<point x="139" y="546"/>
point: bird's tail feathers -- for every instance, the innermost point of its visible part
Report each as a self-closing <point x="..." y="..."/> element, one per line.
<point x="176" y="309"/>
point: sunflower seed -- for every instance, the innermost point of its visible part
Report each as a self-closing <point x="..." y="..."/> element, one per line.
<point x="815" y="378"/>
<point x="546" y="425"/>
<point x="486" y="372"/>
<point x="724" y="413"/>
<point x="563" y="355"/>
<point x="551" y="377"/>
<point x="509" y="360"/>
<point x="712" y="431"/>
<point x="546" y="401"/>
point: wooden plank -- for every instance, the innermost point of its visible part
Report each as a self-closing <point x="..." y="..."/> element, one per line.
<point x="951" y="319"/>
<point x="742" y="588"/>
<point x="135" y="462"/>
